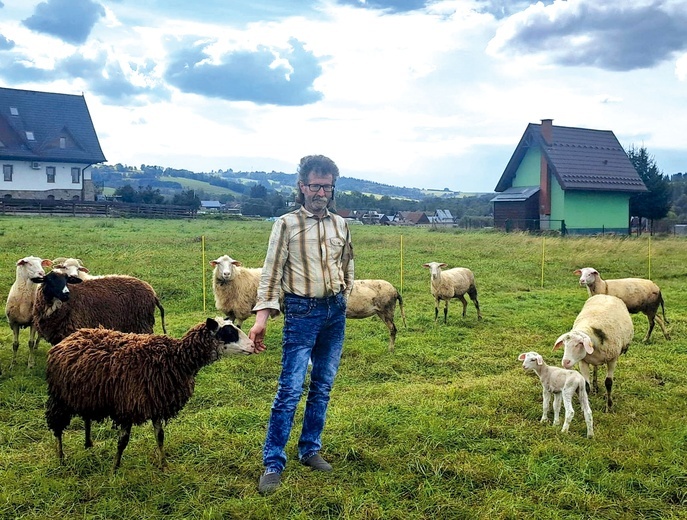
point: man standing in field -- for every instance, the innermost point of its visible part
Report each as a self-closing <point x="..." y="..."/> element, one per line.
<point x="310" y="259"/>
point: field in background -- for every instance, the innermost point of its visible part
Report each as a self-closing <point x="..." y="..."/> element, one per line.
<point x="445" y="427"/>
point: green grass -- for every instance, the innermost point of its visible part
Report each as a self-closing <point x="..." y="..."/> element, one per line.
<point x="445" y="427"/>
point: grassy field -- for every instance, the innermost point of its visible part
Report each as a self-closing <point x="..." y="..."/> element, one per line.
<point x="445" y="427"/>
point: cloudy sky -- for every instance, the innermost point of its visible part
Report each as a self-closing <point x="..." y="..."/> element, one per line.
<point x="412" y="93"/>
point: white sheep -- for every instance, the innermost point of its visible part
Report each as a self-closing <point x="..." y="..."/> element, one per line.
<point x="235" y="288"/>
<point x="563" y="384"/>
<point x="601" y="332"/>
<point x="452" y="283"/>
<point x="71" y="267"/>
<point x="639" y="294"/>
<point x="20" y="303"/>
<point x="376" y="297"/>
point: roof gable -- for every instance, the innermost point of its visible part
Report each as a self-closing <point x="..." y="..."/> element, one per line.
<point x="47" y="126"/>
<point x="579" y="158"/>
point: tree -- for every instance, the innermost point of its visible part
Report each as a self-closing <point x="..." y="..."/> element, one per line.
<point x="655" y="203"/>
<point x="186" y="198"/>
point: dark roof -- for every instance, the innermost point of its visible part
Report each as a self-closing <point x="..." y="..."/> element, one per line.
<point x="580" y="159"/>
<point x="49" y="116"/>
<point x="516" y="194"/>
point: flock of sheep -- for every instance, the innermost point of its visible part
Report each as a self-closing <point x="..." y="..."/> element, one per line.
<point x="105" y="361"/>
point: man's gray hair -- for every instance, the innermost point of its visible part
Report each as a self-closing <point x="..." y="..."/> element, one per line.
<point x="317" y="164"/>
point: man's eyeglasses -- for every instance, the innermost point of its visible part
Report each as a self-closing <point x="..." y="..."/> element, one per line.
<point x="328" y="188"/>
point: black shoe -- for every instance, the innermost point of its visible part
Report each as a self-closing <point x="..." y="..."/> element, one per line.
<point x="316" y="462"/>
<point x="269" y="482"/>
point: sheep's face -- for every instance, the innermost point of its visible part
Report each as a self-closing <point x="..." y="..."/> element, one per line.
<point x="233" y="340"/>
<point x="70" y="267"/>
<point x="530" y="360"/>
<point x="587" y="276"/>
<point x="225" y="268"/>
<point x="576" y="345"/>
<point x="55" y="286"/>
<point x="32" y="267"/>
<point x="434" y="269"/>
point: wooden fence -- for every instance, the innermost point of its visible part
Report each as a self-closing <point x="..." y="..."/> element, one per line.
<point x="93" y="209"/>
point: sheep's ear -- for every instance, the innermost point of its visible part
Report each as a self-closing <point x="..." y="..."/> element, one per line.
<point x="83" y="270"/>
<point x="212" y="325"/>
<point x="521" y="357"/>
<point x="21" y="262"/>
<point x="442" y="264"/>
<point x="588" y="345"/>
<point x="46" y="263"/>
<point x="425" y="265"/>
<point x="540" y="360"/>
<point x="577" y="272"/>
<point x="214" y="263"/>
<point x="236" y="263"/>
<point x="73" y="279"/>
<point x="559" y="342"/>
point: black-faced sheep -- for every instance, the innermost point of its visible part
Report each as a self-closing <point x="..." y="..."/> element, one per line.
<point x="639" y="294"/>
<point x="235" y="288"/>
<point x="376" y="297"/>
<point x="601" y="332"/>
<point x="562" y="384"/>
<point x="65" y="304"/>
<point x="131" y="378"/>
<point x="20" y="303"/>
<point x="449" y="284"/>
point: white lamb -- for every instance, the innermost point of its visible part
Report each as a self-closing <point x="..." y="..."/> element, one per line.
<point x="452" y="283"/>
<point x="563" y="384"/>
<point x="639" y="294"/>
<point x="235" y="288"/>
<point x="602" y="332"/>
<point x="20" y="303"/>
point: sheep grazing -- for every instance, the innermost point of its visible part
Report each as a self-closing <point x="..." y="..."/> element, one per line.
<point x="639" y="294"/>
<point x="563" y="384"/>
<point x="376" y="297"/>
<point x="131" y="378"/>
<point x="66" y="303"/>
<point x="20" y="303"/>
<point x="452" y="283"/>
<point x="601" y="332"/>
<point x="235" y="288"/>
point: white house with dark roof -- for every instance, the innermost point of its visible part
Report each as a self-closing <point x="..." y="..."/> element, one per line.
<point x="47" y="146"/>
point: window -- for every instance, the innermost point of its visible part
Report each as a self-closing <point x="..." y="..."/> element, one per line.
<point x="29" y="136"/>
<point x="50" y="172"/>
<point x="76" y="175"/>
<point x="7" y="170"/>
<point x="14" y="111"/>
<point x="63" y="142"/>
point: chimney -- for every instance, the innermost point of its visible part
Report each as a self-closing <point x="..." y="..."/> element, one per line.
<point x="547" y="130"/>
<point x="544" y="177"/>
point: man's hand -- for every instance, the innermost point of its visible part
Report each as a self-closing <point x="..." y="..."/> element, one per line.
<point x="257" y="331"/>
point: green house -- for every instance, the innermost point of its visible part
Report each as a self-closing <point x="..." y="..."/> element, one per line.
<point x="576" y="180"/>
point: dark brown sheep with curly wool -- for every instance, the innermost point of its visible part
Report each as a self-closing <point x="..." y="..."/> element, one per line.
<point x="65" y="304"/>
<point x="131" y="378"/>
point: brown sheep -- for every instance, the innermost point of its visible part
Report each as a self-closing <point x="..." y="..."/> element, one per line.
<point x="131" y="378"/>
<point x="65" y="304"/>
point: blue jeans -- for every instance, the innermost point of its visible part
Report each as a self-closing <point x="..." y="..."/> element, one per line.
<point x="313" y="331"/>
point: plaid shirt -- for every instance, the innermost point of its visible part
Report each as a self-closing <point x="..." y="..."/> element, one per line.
<point x="307" y="256"/>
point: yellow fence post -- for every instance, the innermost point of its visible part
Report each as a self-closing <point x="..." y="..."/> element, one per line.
<point x="202" y="241"/>
<point x="401" y="264"/>
<point x="543" y="249"/>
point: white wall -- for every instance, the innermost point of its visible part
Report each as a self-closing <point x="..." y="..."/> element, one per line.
<point x="26" y="178"/>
